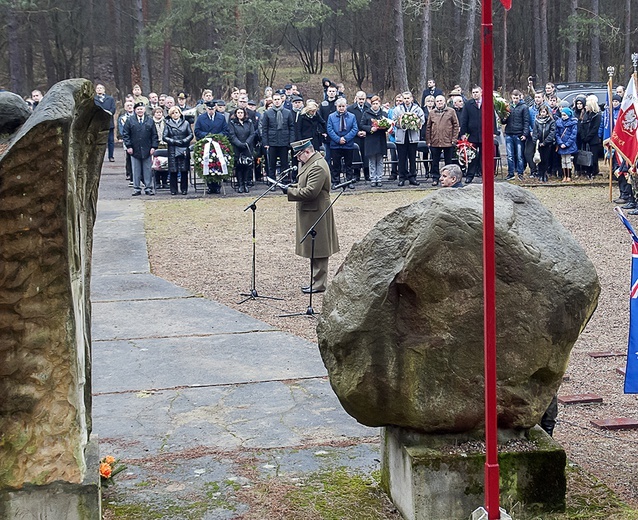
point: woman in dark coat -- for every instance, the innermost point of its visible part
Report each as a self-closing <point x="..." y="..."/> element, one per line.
<point x="178" y="136"/>
<point x="242" y="136"/>
<point x="588" y="133"/>
<point x="376" y="139"/>
<point x="310" y="125"/>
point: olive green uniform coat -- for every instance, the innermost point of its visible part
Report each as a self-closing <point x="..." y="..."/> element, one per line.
<point x="312" y="194"/>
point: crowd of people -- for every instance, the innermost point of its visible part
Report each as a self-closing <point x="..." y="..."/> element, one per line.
<point x="541" y="135"/>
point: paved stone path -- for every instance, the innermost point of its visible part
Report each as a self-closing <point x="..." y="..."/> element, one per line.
<point x="191" y="393"/>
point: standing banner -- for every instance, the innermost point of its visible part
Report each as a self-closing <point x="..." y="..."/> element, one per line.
<point x="624" y="137"/>
<point x="631" y="370"/>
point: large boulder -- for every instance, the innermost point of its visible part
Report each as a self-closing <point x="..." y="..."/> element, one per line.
<point x="401" y="329"/>
<point x="14" y="111"/>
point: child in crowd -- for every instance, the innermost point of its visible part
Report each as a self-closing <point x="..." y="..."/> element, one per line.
<point x="566" y="132"/>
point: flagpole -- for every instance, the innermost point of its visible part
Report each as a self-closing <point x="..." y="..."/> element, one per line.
<point x="489" y="266"/>
<point x="610" y="108"/>
<point x="632" y="169"/>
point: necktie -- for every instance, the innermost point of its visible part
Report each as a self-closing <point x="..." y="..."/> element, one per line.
<point x="478" y="104"/>
<point x="342" y="123"/>
<point x="140" y="119"/>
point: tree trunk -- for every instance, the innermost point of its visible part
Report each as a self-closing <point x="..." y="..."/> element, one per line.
<point x="47" y="55"/>
<point x="627" y="54"/>
<point x="91" y="37"/>
<point x="399" y="40"/>
<point x="425" y="62"/>
<point x="544" y="72"/>
<point x="468" y="48"/>
<point x="13" y="37"/>
<point x="536" y="24"/>
<point x="572" y="48"/>
<point x="504" y="64"/>
<point x="166" y="72"/>
<point x="115" y="30"/>
<point x="594" y="69"/>
<point x="145" y="75"/>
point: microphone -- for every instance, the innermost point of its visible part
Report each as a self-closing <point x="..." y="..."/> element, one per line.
<point x="291" y="169"/>
<point x="344" y="184"/>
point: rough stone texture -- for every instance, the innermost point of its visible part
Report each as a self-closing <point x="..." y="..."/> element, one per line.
<point x="49" y="177"/>
<point x="401" y="330"/>
<point x="14" y="111"/>
<point x="430" y="477"/>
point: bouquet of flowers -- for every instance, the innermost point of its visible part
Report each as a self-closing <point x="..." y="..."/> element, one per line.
<point x="213" y="158"/>
<point x="410" y="121"/>
<point x="382" y="123"/>
<point x="465" y="151"/>
<point x="109" y="467"/>
<point x="501" y="106"/>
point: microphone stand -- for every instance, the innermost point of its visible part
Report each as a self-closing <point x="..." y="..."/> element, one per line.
<point x="312" y="233"/>
<point x="253" y="295"/>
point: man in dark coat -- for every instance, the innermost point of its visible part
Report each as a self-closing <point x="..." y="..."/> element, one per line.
<point x="358" y="108"/>
<point x="431" y="90"/>
<point x="211" y="123"/>
<point x="516" y="133"/>
<point x="471" y="126"/>
<point x="277" y="132"/>
<point x="141" y="141"/>
<point x="107" y="103"/>
<point x="312" y="195"/>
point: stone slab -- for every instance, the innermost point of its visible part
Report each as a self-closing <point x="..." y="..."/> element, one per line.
<point x="120" y="255"/>
<point x="258" y="415"/>
<point x="141" y="286"/>
<point x="621" y="371"/>
<point x="427" y="480"/>
<point x="601" y="354"/>
<point x="579" y="399"/>
<point x="59" y="500"/>
<point x="195" y="361"/>
<point x="166" y="318"/>
<point x="619" y="423"/>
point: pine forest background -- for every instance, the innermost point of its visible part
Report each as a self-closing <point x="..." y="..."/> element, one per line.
<point x="382" y="46"/>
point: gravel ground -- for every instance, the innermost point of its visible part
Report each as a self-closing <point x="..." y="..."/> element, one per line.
<point x="205" y="246"/>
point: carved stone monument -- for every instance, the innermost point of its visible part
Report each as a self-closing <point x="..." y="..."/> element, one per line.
<point x="401" y="330"/>
<point x="49" y="176"/>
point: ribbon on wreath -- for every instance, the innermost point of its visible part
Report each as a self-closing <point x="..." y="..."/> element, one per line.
<point x="220" y="158"/>
<point x="465" y="151"/>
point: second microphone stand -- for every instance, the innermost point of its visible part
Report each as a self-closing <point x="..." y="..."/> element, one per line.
<point x="312" y="233"/>
<point x="253" y="295"/>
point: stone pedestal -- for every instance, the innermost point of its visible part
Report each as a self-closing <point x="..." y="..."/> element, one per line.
<point x="59" y="500"/>
<point x="429" y="478"/>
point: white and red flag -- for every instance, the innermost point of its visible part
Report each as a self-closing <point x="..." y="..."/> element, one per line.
<point x="624" y="137"/>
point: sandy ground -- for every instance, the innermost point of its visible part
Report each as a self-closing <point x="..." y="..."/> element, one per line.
<point x="205" y="246"/>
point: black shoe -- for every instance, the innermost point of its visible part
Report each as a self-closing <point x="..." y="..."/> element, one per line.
<point x="633" y="212"/>
<point x="333" y="187"/>
<point x="620" y="201"/>
<point x="510" y="177"/>
<point x="306" y="290"/>
<point x="240" y="189"/>
<point x="246" y="189"/>
<point x="414" y="182"/>
<point x="468" y="180"/>
<point x="111" y="159"/>
<point x="351" y="186"/>
<point x="401" y="183"/>
<point x="173" y="193"/>
<point x="392" y="178"/>
<point x="435" y="183"/>
<point x="184" y="192"/>
<point x="136" y="193"/>
<point x="629" y="205"/>
<point x="150" y="193"/>
<point x="209" y="191"/>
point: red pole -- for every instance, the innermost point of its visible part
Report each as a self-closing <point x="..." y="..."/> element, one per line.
<point x="489" y="266"/>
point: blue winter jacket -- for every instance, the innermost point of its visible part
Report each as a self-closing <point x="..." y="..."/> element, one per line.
<point x="566" y="132"/>
<point x="349" y="133"/>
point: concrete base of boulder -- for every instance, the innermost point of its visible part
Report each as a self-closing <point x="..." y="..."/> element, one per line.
<point x="436" y="477"/>
<point x="59" y="500"/>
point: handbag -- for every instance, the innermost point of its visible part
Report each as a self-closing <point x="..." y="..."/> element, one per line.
<point x="585" y="157"/>
<point x="537" y="155"/>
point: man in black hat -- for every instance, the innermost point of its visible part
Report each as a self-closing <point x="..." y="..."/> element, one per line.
<point x="312" y="195"/>
<point x="211" y="123"/>
<point x="141" y="141"/>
